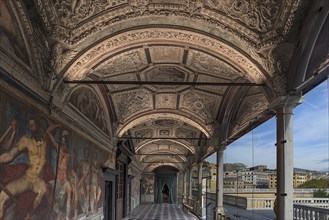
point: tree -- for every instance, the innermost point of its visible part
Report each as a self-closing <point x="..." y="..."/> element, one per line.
<point x="320" y="193"/>
<point x="316" y="183"/>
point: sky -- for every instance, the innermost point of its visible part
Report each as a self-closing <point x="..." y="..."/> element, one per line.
<point x="310" y="137"/>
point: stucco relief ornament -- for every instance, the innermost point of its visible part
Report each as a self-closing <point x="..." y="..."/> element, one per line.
<point x="259" y="14"/>
<point x="139" y="5"/>
<point x="61" y="56"/>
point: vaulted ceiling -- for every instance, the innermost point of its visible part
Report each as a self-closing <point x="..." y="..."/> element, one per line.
<point x="251" y="49"/>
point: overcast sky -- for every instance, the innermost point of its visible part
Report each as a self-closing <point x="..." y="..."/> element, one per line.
<point x="310" y="137"/>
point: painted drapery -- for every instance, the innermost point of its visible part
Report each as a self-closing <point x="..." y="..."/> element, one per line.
<point x="169" y="181"/>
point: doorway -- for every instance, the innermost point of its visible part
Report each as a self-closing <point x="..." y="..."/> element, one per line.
<point x="108" y="206"/>
<point x="165" y="194"/>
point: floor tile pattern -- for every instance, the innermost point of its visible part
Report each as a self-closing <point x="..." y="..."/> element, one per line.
<point x="160" y="212"/>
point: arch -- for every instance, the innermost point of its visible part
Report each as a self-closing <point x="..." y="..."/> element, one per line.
<point x="80" y="68"/>
<point x="155" y="166"/>
<point x="139" y="119"/>
<point x="175" y="141"/>
<point x="164" y="151"/>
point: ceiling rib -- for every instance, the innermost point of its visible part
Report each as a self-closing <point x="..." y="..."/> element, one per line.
<point x="173" y="154"/>
<point x="164" y="162"/>
<point x="170" y="83"/>
<point x="163" y="138"/>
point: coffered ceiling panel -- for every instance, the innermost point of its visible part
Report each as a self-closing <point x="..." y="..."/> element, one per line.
<point x="130" y="103"/>
<point x="166" y="54"/>
<point x="205" y="63"/>
<point x="200" y="104"/>
<point x="131" y="61"/>
<point x="166" y="101"/>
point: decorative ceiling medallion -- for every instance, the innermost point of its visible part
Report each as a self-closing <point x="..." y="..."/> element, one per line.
<point x="165" y="123"/>
<point x="201" y="104"/>
<point x="165" y="101"/>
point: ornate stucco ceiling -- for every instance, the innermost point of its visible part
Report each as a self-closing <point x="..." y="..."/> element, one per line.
<point x="227" y="41"/>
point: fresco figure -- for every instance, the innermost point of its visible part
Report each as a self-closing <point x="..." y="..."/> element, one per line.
<point x="63" y="189"/>
<point x="32" y="180"/>
<point x="85" y="181"/>
<point x="95" y="187"/>
<point x="7" y="144"/>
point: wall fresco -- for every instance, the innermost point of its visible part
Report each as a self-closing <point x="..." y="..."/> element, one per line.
<point x="47" y="171"/>
<point x="11" y="38"/>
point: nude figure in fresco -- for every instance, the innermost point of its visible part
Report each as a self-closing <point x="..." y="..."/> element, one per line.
<point x="63" y="189"/>
<point x="35" y="148"/>
<point x="95" y="188"/>
<point x="85" y="181"/>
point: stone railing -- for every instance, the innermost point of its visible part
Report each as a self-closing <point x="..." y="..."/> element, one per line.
<point x="260" y="204"/>
<point x="305" y="212"/>
<point x="250" y="203"/>
<point x="257" y="190"/>
<point x="313" y="202"/>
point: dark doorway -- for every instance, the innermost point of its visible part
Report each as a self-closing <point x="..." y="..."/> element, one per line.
<point x="109" y="193"/>
<point x="108" y="208"/>
<point x="165" y="194"/>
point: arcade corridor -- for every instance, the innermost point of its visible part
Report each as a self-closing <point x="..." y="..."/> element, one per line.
<point x="103" y="103"/>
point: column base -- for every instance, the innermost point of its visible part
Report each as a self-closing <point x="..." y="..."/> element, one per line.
<point x="219" y="213"/>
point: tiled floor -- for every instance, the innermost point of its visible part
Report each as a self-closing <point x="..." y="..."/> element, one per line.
<point x="160" y="212"/>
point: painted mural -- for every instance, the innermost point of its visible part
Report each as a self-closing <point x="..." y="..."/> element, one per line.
<point x="47" y="171"/>
<point x="10" y="35"/>
<point x="85" y="100"/>
<point x="147" y="184"/>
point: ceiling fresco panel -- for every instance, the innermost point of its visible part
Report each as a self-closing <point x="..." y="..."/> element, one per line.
<point x="130" y="103"/>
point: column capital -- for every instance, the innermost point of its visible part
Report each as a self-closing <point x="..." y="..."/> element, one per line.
<point x="221" y="147"/>
<point x="284" y="101"/>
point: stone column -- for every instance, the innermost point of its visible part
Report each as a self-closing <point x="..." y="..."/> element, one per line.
<point x="219" y="212"/>
<point x="199" y="199"/>
<point x="190" y="196"/>
<point x="185" y="187"/>
<point x="283" y="107"/>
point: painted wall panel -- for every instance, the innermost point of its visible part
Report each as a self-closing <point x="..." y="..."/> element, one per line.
<point x="47" y="171"/>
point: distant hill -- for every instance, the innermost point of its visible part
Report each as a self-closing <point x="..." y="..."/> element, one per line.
<point x="305" y="170"/>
